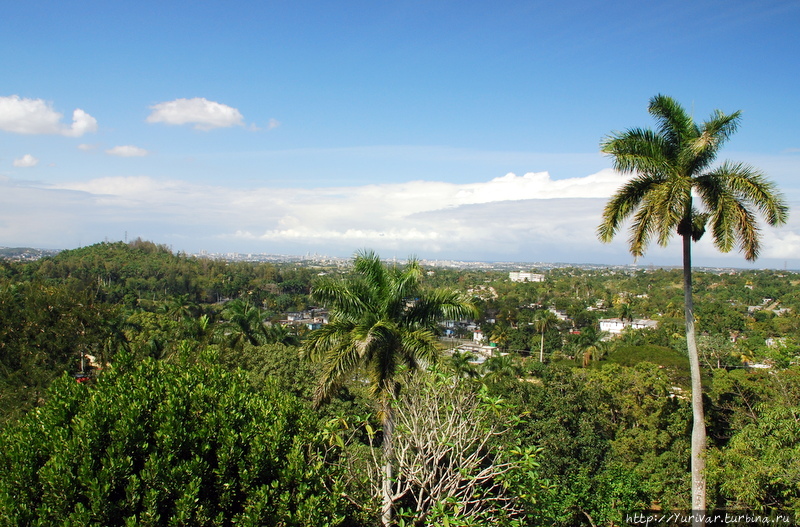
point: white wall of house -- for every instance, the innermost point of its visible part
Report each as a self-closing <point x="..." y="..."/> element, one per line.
<point x="616" y="326"/>
<point x="516" y="276"/>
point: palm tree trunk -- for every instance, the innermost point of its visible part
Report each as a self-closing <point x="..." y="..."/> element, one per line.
<point x="387" y="508"/>
<point x="541" y="349"/>
<point x="698" y="462"/>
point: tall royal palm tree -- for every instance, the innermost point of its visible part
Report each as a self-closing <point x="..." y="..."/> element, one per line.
<point x="382" y="325"/>
<point x="543" y="320"/>
<point x="672" y="168"/>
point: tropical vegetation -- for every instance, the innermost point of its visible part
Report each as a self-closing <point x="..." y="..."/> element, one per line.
<point x="143" y="387"/>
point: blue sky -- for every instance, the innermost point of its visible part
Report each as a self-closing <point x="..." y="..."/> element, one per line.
<point x="453" y="130"/>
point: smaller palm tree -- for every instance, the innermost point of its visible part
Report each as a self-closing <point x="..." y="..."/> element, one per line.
<point x="382" y="327"/>
<point x="281" y="334"/>
<point x="115" y="338"/>
<point x="501" y="366"/>
<point x="245" y="323"/>
<point x="625" y="312"/>
<point x="461" y="364"/>
<point x="180" y="307"/>
<point x="589" y="345"/>
<point x="200" y="329"/>
<point x="499" y="336"/>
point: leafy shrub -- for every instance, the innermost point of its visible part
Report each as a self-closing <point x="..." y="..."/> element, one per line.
<point x="164" y="444"/>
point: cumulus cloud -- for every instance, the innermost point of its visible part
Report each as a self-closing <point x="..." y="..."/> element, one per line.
<point x="539" y="185"/>
<point x="86" y="147"/>
<point x="202" y="113"/>
<point x="127" y="151"/>
<point x="36" y="116"/>
<point x="26" y="161"/>
<point x="82" y="123"/>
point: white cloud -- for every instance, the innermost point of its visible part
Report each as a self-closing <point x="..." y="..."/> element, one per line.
<point x="26" y="161"/>
<point x="127" y="151"/>
<point x="202" y="113"/>
<point x="539" y="185"/>
<point x="120" y="187"/>
<point x="86" y="147"/>
<point x="36" y="116"/>
<point x="82" y="122"/>
<point x="523" y="218"/>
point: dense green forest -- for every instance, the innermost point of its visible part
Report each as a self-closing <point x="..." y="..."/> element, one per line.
<point x="142" y="387"/>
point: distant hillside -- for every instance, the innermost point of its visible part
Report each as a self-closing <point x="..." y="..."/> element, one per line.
<point x="141" y="269"/>
<point x="115" y="269"/>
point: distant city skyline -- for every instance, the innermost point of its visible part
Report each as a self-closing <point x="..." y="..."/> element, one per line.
<point x="27" y="254"/>
<point x="446" y="130"/>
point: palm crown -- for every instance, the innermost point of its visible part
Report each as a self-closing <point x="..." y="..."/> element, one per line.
<point x="381" y="321"/>
<point x="673" y="163"/>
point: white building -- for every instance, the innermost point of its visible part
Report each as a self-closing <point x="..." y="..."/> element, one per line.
<point x="516" y="276"/>
<point x="615" y="326"/>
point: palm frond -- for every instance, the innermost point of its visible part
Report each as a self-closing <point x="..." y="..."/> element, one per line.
<point x="406" y="283"/>
<point x="731" y="194"/>
<point x="643" y="226"/>
<point x="637" y="150"/>
<point x="419" y="347"/>
<point x="345" y="296"/>
<point x="438" y="305"/>
<point x="732" y="225"/>
<point x="368" y="265"/>
<point x="702" y="150"/>
<point x="624" y="204"/>
<point x="721" y="127"/>
<point x="674" y="124"/>
<point x="660" y="200"/>
<point x="748" y="233"/>
<point x="334" y="335"/>
<point x="752" y="187"/>
<point x="339" y="362"/>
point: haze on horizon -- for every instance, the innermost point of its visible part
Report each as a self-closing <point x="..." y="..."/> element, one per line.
<point x="445" y="130"/>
